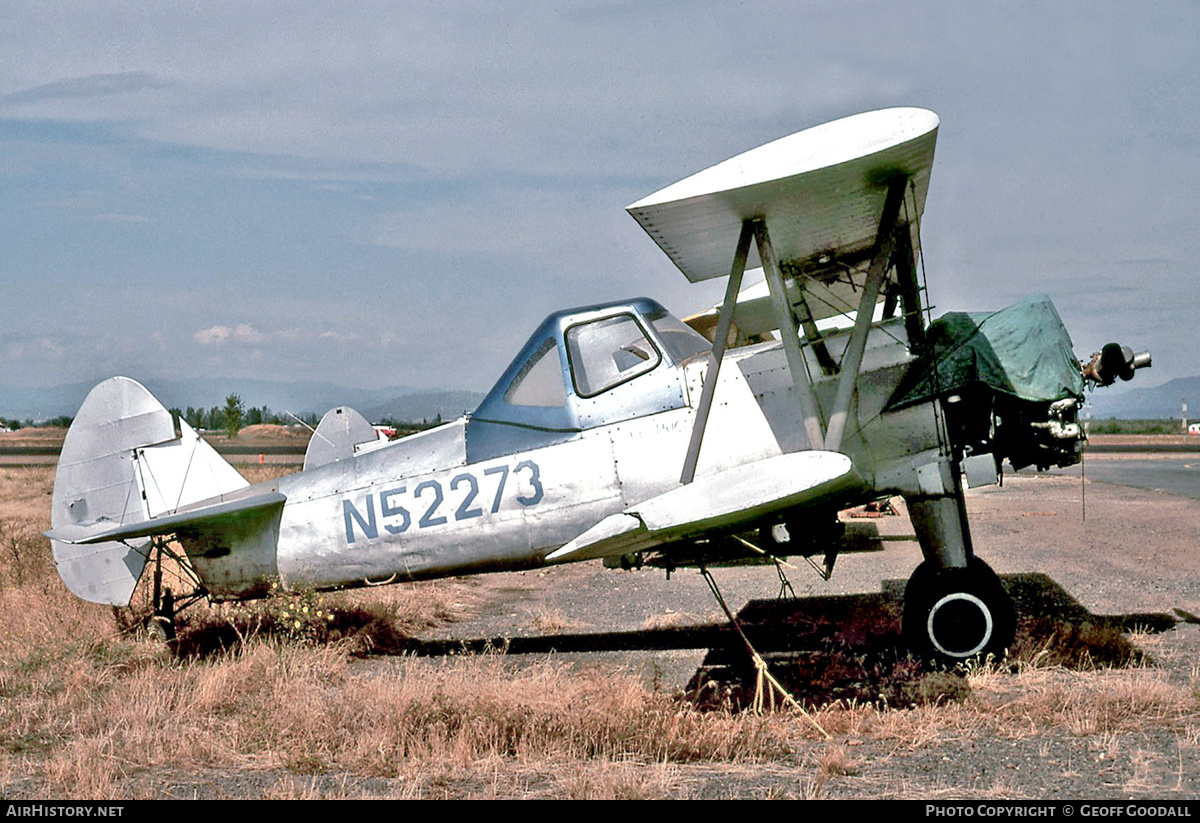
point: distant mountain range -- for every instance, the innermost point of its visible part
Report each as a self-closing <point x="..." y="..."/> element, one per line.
<point x="1123" y="401"/>
<point x="424" y="406"/>
<point x="301" y="397"/>
<point x="1132" y="402"/>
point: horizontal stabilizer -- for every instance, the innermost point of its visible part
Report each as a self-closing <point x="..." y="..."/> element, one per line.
<point x="82" y="534"/>
<point x="721" y="501"/>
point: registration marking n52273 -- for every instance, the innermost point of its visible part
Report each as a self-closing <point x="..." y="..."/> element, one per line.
<point x="395" y="507"/>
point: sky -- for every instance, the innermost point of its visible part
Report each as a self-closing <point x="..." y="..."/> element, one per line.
<point x="394" y="193"/>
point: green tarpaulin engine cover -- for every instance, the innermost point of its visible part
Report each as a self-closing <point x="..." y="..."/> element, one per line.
<point x="1023" y="351"/>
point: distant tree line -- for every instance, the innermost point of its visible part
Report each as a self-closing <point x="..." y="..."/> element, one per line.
<point x="405" y="427"/>
<point x="233" y="416"/>
<point x="1115" y="426"/>
<point x="14" y="423"/>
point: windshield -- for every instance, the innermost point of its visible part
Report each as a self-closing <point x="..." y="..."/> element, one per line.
<point x="540" y="380"/>
<point x="606" y="352"/>
<point x="680" y="340"/>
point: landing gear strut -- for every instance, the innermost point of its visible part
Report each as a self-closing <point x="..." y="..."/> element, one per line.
<point x="165" y="606"/>
<point x="955" y="608"/>
<point x="161" y="623"/>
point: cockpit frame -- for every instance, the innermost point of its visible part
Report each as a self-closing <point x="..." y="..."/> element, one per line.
<point x="616" y="361"/>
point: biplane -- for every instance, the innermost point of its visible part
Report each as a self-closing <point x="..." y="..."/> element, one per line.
<point x="621" y="432"/>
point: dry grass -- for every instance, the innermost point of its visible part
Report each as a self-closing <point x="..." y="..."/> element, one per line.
<point x="548" y="620"/>
<point x="25" y="493"/>
<point x="92" y="717"/>
<point x="244" y="711"/>
<point x="88" y="712"/>
<point x="675" y="620"/>
<point x="1111" y="701"/>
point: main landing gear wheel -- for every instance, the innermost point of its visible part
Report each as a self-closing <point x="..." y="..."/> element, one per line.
<point x="955" y="615"/>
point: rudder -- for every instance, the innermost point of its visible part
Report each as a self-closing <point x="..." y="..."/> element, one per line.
<point x="122" y="462"/>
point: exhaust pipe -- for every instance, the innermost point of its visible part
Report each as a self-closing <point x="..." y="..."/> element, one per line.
<point x="1114" y="361"/>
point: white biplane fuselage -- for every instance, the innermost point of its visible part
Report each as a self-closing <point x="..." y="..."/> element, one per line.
<point x="620" y="432"/>
<point x="481" y="495"/>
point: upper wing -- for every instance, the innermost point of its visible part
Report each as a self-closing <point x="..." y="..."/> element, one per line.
<point x="820" y="192"/>
<point x="716" y="502"/>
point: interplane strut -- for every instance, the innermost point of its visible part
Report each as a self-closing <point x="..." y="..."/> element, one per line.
<point x="821" y="435"/>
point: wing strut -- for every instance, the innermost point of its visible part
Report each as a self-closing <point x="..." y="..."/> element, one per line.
<point x="852" y="359"/>
<point x="819" y="435"/>
<point x="756" y="228"/>
<point x="720" y="341"/>
<point x="790" y="335"/>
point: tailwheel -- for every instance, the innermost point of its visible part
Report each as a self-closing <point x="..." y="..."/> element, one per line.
<point x="956" y="615"/>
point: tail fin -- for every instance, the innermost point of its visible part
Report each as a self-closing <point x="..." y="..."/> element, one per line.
<point x="123" y="461"/>
<point x="342" y="433"/>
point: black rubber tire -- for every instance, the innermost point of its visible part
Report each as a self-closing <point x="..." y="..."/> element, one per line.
<point x="953" y="616"/>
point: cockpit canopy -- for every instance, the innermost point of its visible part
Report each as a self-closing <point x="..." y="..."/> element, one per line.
<point x="583" y="368"/>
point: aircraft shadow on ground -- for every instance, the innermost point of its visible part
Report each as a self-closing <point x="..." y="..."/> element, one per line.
<point x="796" y="625"/>
<point x="845" y="647"/>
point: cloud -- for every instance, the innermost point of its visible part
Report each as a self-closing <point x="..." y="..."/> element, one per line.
<point x="242" y="333"/>
<point x="245" y="334"/>
<point x="213" y="336"/>
<point x="438" y="177"/>
<point x="37" y="347"/>
<point x="88" y="87"/>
